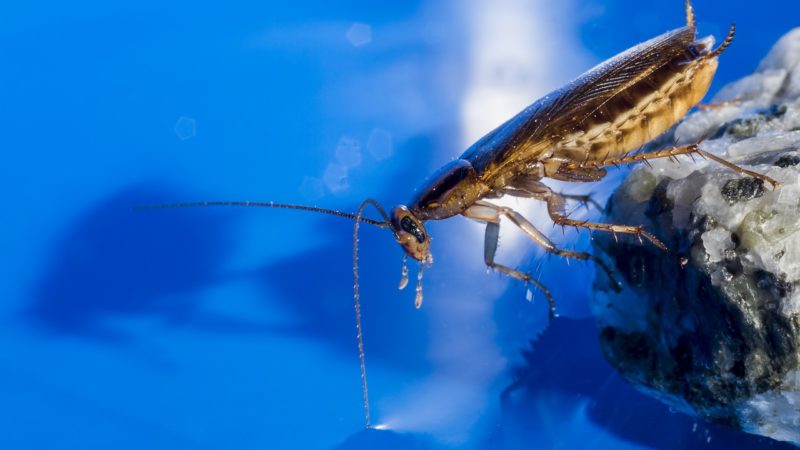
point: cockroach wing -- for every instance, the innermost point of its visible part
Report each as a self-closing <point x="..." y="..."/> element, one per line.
<point x="532" y="131"/>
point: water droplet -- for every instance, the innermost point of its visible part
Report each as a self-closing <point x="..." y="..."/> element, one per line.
<point x="403" y="275"/>
<point x="335" y="177"/>
<point x="185" y="128"/>
<point x="359" y="34"/>
<point x="418" y="298"/>
<point x="348" y="152"/>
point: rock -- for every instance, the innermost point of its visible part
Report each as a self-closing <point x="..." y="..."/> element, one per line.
<point x="712" y="327"/>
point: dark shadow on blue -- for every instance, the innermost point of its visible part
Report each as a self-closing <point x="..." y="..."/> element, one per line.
<point x="116" y="262"/>
<point x="567" y="358"/>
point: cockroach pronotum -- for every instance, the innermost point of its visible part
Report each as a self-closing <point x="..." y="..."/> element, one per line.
<point x="572" y="134"/>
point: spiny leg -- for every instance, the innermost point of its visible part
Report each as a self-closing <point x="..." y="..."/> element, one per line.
<point x="719" y="105"/>
<point x="555" y="208"/>
<point x="489" y="250"/>
<point x="527" y="186"/>
<point x="669" y="153"/>
<point x="490" y="214"/>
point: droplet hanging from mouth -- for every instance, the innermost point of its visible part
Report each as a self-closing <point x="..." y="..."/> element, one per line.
<point x="418" y="298"/>
<point x="403" y="275"/>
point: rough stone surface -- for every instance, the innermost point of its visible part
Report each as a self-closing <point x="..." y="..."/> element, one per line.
<point x="712" y="326"/>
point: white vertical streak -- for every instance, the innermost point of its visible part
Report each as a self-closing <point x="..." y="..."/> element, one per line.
<point x="518" y="51"/>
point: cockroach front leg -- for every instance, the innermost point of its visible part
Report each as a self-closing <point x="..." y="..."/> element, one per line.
<point x="490" y="214"/>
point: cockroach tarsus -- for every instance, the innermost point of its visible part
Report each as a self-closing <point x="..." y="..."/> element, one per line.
<point x="573" y="134"/>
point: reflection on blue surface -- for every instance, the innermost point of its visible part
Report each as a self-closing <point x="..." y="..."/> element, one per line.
<point x="221" y="328"/>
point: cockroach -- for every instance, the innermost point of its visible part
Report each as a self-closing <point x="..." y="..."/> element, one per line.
<point x="572" y="134"/>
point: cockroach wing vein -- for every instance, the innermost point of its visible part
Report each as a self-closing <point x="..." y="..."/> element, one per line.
<point x="531" y="132"/>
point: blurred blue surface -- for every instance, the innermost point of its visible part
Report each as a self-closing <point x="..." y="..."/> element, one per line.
<point x="233" y="328"/>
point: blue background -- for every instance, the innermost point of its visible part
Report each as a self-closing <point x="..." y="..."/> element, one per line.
<point x="233" y="328"/>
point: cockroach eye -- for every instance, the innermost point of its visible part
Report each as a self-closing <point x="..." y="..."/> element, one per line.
<point x="409" y="226"/>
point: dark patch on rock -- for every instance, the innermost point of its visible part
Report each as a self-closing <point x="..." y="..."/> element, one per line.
<point x="775" y="111"/>
<point x="733" y="265"/>
<point x="771" y="283"/>
<point x="740" y="129"/>
<point x="742" y="189"/>
<point x="744" y="128"/>
<point x="659" y="203"/>
<point x="787" y="161"/>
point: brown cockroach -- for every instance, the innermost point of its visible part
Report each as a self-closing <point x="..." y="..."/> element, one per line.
<point x="571" y="134"/>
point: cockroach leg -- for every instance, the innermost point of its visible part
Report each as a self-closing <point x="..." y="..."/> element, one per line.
<point x="637" y="157"/>
<point x="690" y="22"/>
<point x="583" y="172"/>
<point x="555" y="208"/>
<point x="738" y="169"/>
<point x="490" y="214"/>
<point x="719" y="105"/>
<point x="489" y="251"/>
<point x="672" y="153"/>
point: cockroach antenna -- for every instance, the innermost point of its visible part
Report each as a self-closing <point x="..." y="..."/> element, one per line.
<point x="381" y="224"/>
<point x="357" y="218"/>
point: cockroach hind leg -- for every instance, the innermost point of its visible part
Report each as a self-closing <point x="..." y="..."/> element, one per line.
<point x="690" y="22"/>
<point x="719" y="105"/>
<point x="738" y="169"/>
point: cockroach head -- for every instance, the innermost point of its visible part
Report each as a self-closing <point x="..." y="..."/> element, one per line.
<point x="411" y="234"/>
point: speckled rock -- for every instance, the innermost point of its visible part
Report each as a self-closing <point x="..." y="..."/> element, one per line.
<point x="712" y="327"/>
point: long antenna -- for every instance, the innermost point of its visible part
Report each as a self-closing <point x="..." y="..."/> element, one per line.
<point x="386" y="223"/>
<point x="359" y="333"/>
<point x="333" y="212"/>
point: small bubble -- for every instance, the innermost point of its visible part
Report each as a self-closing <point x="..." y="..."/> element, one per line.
<point x="379" y="144"/>
<point x="348" y="152"/>
<point x="529" y="295"/>
<point x="672" y="410"/>
<point x="694" y="427"/>
<point x="185" y="128"/>
<point x="335" y="177"/>
<point x="359" y="34"/>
